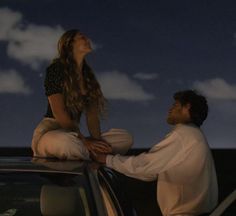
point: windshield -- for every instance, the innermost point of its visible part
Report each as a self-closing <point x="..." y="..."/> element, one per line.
<point x="29" y="193"/>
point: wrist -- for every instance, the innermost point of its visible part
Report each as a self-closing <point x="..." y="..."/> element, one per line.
<point x="104" y="159"/>
<point x="80" y="136"/>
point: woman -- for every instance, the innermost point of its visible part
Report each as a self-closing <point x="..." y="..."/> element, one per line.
<point x="72" y="89"/>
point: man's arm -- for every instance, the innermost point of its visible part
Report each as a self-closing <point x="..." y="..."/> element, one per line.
<point x="147" y="166"/>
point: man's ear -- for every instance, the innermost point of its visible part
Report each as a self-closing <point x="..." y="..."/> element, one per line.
<point x="188" y="106"/>
<point x="186" y="110"/>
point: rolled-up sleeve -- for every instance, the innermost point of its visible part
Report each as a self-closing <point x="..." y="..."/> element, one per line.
<point x="146" y="166"/>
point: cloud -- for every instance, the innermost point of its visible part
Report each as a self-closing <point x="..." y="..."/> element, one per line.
<point x="34" y="44"/>
<point x="216" y="89"/>
<point x="12" y="82"/>
<point x="118" y="86"/>
<point x="30" y="44"/>
<point x="8" y="21"/>
<point x="146" y="76"/>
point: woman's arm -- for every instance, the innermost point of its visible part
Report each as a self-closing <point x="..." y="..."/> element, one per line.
<point x="59" y="112"/>
<point x="93" y="121"/>
<point x="95" y="144"/>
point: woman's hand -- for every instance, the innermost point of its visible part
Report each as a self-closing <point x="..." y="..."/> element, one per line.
<point x="97" y="146"/>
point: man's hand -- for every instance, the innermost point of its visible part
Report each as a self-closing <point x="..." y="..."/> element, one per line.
<point x="101" y="158"/>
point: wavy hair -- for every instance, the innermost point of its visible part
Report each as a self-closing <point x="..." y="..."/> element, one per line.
<point x="76" y="102"/>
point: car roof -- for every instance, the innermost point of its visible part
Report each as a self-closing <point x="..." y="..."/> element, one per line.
<point x="32" y="164"/>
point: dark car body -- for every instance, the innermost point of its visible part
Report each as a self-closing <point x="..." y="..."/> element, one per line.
<point x="34" y="186"/>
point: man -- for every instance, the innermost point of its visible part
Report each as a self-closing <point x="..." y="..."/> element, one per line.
<point x="182" y="162"/>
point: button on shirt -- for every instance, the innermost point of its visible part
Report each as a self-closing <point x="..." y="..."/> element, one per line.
<point x="183" y="164"/>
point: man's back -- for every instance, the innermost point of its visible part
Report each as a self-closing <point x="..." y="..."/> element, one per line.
<point x="190" y="185"/>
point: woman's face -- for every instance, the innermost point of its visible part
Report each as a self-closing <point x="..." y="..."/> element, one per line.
<point x="81" y="45"/>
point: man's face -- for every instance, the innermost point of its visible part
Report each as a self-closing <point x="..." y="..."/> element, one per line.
<point x="178" y="114"/>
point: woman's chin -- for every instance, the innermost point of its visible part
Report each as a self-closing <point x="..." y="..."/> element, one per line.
<point x="88" y="49"/>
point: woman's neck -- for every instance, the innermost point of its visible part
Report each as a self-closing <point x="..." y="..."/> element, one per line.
<point x="79" y="63"/>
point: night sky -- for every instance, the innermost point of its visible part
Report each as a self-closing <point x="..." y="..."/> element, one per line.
<point x="144" y="51"/>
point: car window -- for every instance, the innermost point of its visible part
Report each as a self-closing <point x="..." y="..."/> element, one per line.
<point x="26" y="193"/>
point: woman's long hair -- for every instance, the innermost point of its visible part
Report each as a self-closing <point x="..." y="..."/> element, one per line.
<point x="76" y="102"/>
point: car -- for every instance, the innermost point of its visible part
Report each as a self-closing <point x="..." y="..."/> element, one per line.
<point x="37" y="186"/>
<point x="227" y="207"/>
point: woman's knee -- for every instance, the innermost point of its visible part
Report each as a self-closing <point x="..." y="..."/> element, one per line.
<point x="62" y="145"/>
<point x="127" y="139"/>
<point x="121" y="140"/>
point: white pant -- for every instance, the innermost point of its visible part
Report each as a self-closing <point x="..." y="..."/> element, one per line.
<point x="49" y="140"/>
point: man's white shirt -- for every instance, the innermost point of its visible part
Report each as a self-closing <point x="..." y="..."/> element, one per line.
<point x="183" y="165"/>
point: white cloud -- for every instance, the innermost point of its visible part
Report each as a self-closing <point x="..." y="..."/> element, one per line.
<point x="8" y="21"/>
<point x="117" y="85"/>
<point x="12" y="82"/>
<point x="216" y="89"/>
<point x="31" y="44"/>
<point x="146" y="76"/>
<point x="34" y="44"/>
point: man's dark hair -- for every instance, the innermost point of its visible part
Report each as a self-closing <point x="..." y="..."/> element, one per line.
<point x="198" y="105"/>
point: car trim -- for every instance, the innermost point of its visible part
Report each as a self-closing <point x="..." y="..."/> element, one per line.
<point x="95" y="186"/>
<point x="41" y="171"/>
<point x="113" y="196"/>
<point x="224" y="204"/>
